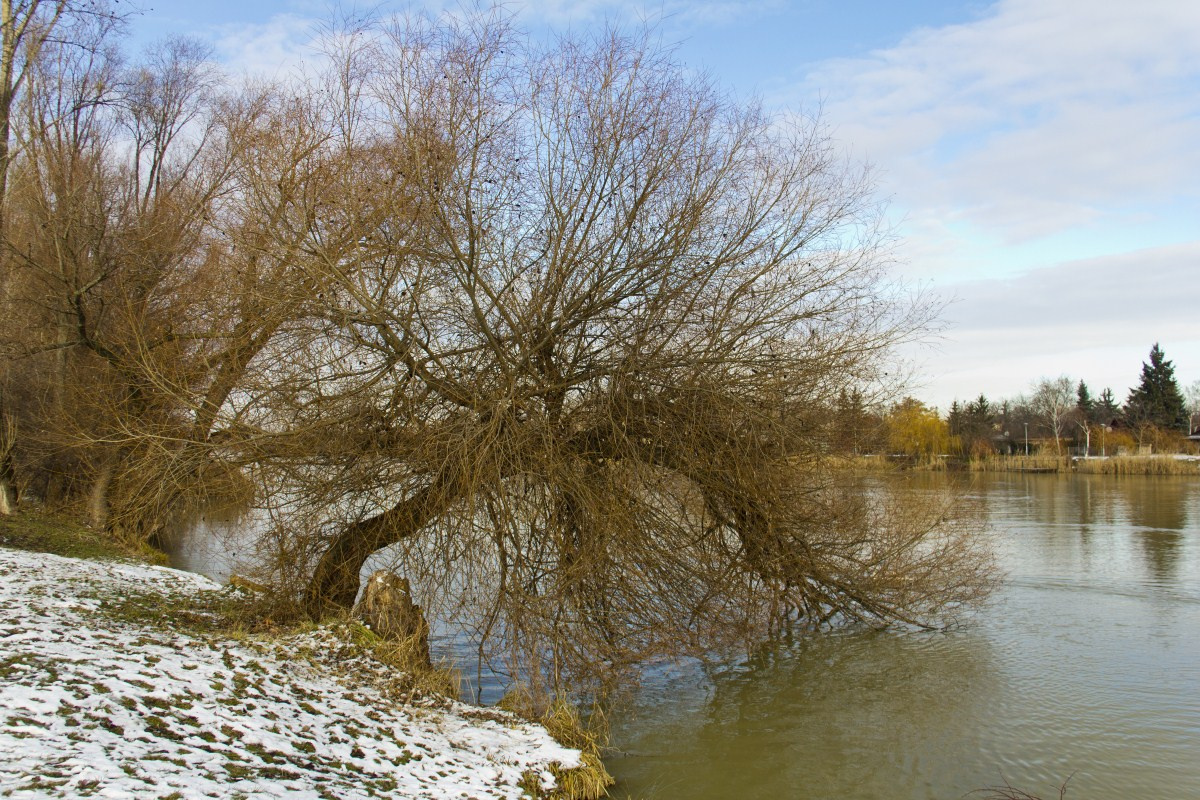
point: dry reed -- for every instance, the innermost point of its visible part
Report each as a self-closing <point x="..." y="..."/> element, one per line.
<point x="1036" y="463"/>
<point x="566" y="725"/>
<point x="1115" y="465"/>
<point x="1138" y="465"/>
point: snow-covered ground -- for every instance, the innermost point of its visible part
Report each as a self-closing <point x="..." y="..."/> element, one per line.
<point x="95" y="702"/>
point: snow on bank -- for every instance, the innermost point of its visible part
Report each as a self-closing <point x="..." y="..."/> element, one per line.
<point x="93" y="702"/>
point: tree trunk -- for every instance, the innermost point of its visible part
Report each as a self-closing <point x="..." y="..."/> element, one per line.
<point x="98" y="497"/>
<point x="8" y="486"/>
<point x="8" y="472"/>
<point x="335" y="581"/>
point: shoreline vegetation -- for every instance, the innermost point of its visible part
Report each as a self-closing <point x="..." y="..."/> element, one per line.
<point x="1163" y="464"/>
<point x="123" y="674"/>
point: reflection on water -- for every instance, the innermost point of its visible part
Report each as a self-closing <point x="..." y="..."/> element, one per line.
<point x="1161" y="518"/>
<point x="217" y="543"/>
<point x="869" y="713"/>
<point x="1087" y="665"/>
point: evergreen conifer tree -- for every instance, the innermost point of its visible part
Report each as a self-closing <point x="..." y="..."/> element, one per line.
<point x="1107" y="410"/>
<point x="1157" y="400"/>
<point x="1084" y="402"/>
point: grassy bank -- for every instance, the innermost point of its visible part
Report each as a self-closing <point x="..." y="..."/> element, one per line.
<point x="122" y="678"/>
<point x="45" y="533"/>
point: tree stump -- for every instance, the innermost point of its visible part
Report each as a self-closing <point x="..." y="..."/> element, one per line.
<point x="388" y="610"/>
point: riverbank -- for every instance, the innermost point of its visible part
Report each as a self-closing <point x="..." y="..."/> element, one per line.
<point x="118" y="680"/>
<point x="1164" y="464"/>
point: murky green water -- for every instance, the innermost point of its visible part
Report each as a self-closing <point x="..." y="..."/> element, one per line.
<point x="1086" y="666"/>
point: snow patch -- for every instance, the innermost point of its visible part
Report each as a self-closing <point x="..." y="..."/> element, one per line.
<point x="92" y="704"/>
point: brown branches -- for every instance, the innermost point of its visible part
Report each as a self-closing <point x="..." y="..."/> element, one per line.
<point x="558" y="329"/>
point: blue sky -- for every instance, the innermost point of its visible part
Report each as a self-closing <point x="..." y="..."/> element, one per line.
<point x="1041" y="158"/>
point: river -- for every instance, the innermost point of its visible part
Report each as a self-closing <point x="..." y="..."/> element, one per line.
<point x="1086" y="666"/>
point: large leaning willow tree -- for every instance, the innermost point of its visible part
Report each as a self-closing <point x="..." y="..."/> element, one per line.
<point x="564" y="326"/>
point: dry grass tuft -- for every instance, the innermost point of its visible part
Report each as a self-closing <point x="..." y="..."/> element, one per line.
<point x="563" y="721"/>
<point x="415" y="676"/>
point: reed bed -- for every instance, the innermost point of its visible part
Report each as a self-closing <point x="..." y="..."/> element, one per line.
<point x="1138" y="465"/>
<point x="1038" y="463"/>
<point x="1113" y="465"/>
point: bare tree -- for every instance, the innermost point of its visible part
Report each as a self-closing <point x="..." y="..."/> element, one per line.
<point x="1191" y="396"/>
<point x="572" y="319"/>
<point x="114" y="280"/>
<point x="557" y="329"/>
<point x="27" y="28"/>
<point x="1081" y="421"/>
<point x="1052" y="402"/>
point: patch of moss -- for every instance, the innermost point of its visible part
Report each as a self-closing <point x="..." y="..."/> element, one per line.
<point x="238" y="772"/>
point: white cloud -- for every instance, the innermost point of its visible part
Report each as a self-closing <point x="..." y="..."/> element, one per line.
<point x="1043" y="115"/>
<point x="1044" y="159"/>
<point x="1094" y="319"/>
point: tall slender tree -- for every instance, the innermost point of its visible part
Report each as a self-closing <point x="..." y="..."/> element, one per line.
<point x="27" y="28"/>
<point x="1191" y="396"/>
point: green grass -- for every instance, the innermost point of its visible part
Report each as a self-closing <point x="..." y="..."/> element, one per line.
<point x="44" y="533"/>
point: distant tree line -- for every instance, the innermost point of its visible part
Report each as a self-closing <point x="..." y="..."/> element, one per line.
<point x="1058" y="413"/>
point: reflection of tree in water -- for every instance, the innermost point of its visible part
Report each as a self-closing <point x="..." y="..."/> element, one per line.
<point x="1051" y="499"/>
<point x="874" y="711"/>
<point x="1158" y="512"/>
<point x="1067" y="511"/>
<point x="1099" y="502"/>
<point x="1063" y="500"/>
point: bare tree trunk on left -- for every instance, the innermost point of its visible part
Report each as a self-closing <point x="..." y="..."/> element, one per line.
<point x="98" y="498"/>
<point x="8" y="477"/>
